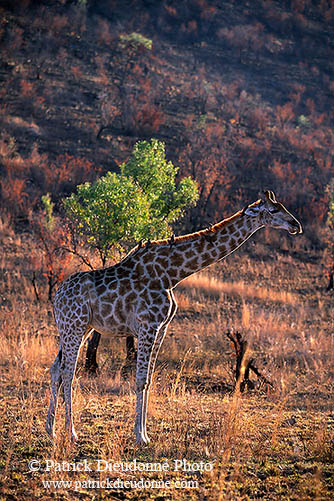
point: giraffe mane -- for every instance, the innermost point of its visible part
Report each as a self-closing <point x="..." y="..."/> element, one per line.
<point x="198" y="234"/>
<point x="207" y="231"/>
<point x="190" y="236"/>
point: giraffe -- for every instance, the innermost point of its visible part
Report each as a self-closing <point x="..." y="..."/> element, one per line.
<point x="136" y="297"/>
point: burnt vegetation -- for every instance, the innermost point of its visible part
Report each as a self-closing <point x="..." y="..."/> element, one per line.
<point x="240" y="92"/>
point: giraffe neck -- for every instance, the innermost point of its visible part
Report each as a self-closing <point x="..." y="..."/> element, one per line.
<point x="193" y="253"/>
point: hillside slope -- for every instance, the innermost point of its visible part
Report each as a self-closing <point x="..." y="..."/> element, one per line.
<point x="240" y="92"/>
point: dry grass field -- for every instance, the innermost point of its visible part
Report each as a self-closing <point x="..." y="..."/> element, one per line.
<point x="269" y="443"/>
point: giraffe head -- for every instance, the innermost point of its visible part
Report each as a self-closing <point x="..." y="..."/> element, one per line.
<point x="274" y="214"/>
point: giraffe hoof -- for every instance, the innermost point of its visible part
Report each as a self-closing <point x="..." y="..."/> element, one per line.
<point x="74" y="437"/>
<point x="143" y="440"/>
<point x="71" y="435"/>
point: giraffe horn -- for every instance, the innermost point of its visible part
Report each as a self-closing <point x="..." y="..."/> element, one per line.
<point x="270" y="195"/>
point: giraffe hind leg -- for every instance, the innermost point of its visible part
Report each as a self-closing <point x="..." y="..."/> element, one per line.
<point x="71" y="350"/>
<point x="62" y="373"/>
<point x="55" y="372"/>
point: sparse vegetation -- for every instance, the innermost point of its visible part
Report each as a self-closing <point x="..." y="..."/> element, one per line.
<point x="135" y="40"/>
<point x="329" y="253"/>
<point x="271" y="445"/>
<point x="180" y="74"/>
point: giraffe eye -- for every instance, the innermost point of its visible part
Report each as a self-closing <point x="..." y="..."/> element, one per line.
<point x="274" y="211"/>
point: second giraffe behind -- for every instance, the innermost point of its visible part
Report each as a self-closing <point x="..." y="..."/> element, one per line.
<point x="136" y="297"/>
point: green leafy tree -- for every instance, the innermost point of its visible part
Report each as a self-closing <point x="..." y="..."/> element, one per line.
<point x="135" y="41"/>
<point x="149" y="169"/>
<point x="119" y="210"/>
<point x="140" y="203"/>
<point x="109" y="214"/>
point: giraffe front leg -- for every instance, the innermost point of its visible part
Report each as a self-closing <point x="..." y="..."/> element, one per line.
<point x="55" y="387"/>
<point x="70" y="357"/>
<point x="146" y="359"/>
<point x="150" y="338"/>
<point x="69" y="426"/>
<point x="140" y="424"/>
<point x="145" y="366"/>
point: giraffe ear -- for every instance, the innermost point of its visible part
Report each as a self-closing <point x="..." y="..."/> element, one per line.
<point x="251" y="211"/>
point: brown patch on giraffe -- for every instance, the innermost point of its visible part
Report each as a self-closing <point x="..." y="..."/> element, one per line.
<point x="131" y="296"/>
<point x="177" y="259"/>
<point x="142" y="307"/>
<point x="147" y="257"/>
<point x="155" y="285"/>
<point x="119" y="310"/>
<point x="99" y="274"/>
<point x="222" y="249"/>
<point x="139" y="271"/>
<point x="224" y="238"/>
<point x="165" y="281"/>
<point x="200" y="245"/>
<point x="99" y="281"/>
<point x="159" y="270"/>
<point x="123" y="288"/>
<point x="145" y="295"/>
<point x="173" y="273"/>
<point x="128" y="264"/>
<point x="189" y="254"/>
<point x="164" y="252"/>
<point x="192" y="264"/>
<point x="150" y="269"/>
<point x="105" y="309"/>
<point x="206" y="258"/>
<point x="101" y="289"/>
<point x="163" y="262"/>
<point x="239" y="223"/>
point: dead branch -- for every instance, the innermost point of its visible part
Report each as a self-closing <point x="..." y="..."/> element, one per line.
<point x="244" y="366"/>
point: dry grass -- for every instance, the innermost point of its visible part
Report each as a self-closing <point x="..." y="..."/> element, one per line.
<point x="215" y="287"/>
<point x="270" y="444"/>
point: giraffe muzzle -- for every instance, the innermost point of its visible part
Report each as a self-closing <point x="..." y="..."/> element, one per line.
<point x="295" y="228"/>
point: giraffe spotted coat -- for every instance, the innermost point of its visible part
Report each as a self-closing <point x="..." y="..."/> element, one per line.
<point x="136" y="297"/>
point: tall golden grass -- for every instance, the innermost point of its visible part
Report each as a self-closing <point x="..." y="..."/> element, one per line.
<point x="272" y="443"/>
<point x="216" y="287"/>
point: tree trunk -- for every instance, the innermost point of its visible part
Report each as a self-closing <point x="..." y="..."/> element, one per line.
<point x="91" y="364"/>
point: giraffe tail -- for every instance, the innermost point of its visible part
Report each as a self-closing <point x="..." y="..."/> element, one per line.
<point x="55" y="367"/>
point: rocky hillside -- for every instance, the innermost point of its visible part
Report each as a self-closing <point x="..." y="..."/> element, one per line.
<point x="240" y="92"/>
